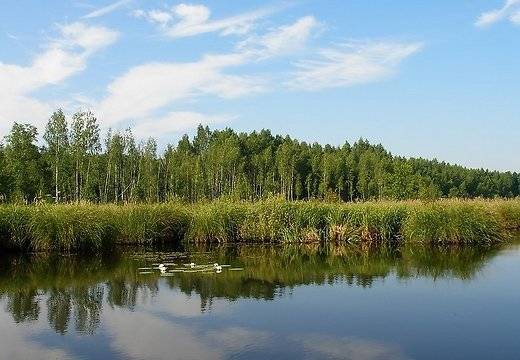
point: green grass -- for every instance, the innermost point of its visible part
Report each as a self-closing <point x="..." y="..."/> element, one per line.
<point x="96" y="227"/>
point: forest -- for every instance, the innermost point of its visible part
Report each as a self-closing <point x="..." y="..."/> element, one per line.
<point x="75" y="162"/>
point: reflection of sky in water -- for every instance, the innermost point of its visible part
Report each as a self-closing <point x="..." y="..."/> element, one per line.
<point x="394" y="318"/>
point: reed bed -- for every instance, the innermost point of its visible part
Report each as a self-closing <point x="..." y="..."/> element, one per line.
<point x="97" y="227"/>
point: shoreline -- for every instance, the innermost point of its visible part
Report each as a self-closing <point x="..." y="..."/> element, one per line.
<point x="89" y="227"/>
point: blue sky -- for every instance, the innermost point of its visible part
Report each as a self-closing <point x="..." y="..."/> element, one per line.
<point x="432" y="79"/>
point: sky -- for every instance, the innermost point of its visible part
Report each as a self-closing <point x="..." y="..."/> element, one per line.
<point x="434" y="79"/>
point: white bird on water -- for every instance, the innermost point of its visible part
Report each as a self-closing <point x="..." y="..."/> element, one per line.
<point x="162" y="267"/>
<point x="217" y="267"/>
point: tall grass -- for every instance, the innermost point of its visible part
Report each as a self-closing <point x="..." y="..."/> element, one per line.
<point x="95" y="227"/>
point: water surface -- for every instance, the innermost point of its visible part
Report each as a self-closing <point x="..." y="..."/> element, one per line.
<point x="288" y="302"/>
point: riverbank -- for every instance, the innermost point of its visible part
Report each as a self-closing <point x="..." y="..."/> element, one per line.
<point x="96" y="227"/>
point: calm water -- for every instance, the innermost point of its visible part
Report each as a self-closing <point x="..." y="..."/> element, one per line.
<point x="293" y="302"/>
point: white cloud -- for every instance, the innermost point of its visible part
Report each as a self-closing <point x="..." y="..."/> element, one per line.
<point x="12" y="36"/>
<point x="106" y="9"/>
<point x="154" y="337"/>
<point x="89" y="38"/>
<point x="509" y="9"/>
<point x="160" y="17"/>
<point x="351" y="64"/>
<point x="191" y="15"/>
<point x="515" y="18"/>
<point x="282" y="40"/>
<point x="185" y="20"/>
<point x="61" y="58"/>
<point x="153" y="86"/>
<point x="20" y="342"/>
<point x="21" y="109"/>
<point x="175" y="122"/>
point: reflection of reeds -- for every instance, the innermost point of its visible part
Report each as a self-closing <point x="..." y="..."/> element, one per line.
<point x="92" y="227"/>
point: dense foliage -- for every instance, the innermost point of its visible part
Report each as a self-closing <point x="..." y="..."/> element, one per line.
<point x="75" y="164"/>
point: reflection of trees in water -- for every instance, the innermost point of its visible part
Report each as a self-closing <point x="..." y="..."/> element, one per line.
<point x="59" y="309"/>
<point x="23" y="305"/>
<point x="461" y="262"/>
<point x="122" y="292"/>
<point x="83" y="303"/>
<point x="87" y="305"/>
<point x="272" y="271"/>
<point x="74" y="289"/>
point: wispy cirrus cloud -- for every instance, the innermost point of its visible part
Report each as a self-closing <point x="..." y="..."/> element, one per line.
<point x="281" y="40"/>
<point x="185" y="20"/>
<point x="515" y="18"/>
<point x="106" y="9"/>
<point x="155" y="86"/>
<point x="510" y="10"/>
<point x="351" y="64"/>
<point x="61" y="58"/>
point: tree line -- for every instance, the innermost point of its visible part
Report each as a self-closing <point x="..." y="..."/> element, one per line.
<point x="76" y="165"/>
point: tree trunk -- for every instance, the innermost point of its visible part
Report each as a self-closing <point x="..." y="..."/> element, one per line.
<point x="57" y="193"/>
<point x="77" y="180"/>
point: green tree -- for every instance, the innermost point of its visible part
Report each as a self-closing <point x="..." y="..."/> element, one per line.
<point x="4" y="176"/>
<point x="23" y="162"/>
<point x="56" y="137"/>
<point x="85" y="145"/>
